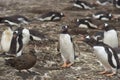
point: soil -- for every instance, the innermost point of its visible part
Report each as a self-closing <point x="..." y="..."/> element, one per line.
<point x="86" y="66"/>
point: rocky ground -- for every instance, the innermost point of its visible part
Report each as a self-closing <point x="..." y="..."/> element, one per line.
<point x="49" y="60"/>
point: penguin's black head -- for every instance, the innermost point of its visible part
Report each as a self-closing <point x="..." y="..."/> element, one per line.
<point x="64" y="29"/>
<point x="18" y="31"/>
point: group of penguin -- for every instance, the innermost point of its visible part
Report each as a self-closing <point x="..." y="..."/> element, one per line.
<point x="13" y="41"/>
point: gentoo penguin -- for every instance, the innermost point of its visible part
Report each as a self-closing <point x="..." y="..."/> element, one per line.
<point x="6" y="39"/>
<point x="66" y="47"/>
<point x="83" y="4"/>
<point x="25" y="61"/>
<point x="109" y="36"/>
<point x="103" y="2"/>
<point x="51" y="16"/>
<point x="102" y="15"/>
<point x="21" y="37"/>
<point x="14" y="20"/>
<point x="117" y="3"/>
<point x="106" y="55"/>
<point x="86" y="23"/>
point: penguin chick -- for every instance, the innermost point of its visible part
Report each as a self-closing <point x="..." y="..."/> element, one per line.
<point x="66" y="47"/>
<point x="25" y="61"/>
<point x="15" y="20"/>
<point x="51" y="16"/>
<point x="102" y="15"/>
<point x="106" y="55"/>
<point x="109" y="36"/>
<point x="6" y="39"/>
<point x="86" y="23"/>
<point x="83" y="5"/>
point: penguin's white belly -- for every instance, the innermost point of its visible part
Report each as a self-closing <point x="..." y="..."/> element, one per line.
<point x="111" y="38"/>
<point x="83" y="26"/>
<point x="46" y="18"/>
<point x="66" y="46"/>
<point x="6" y="40"/>
<point x="101" y="55"/>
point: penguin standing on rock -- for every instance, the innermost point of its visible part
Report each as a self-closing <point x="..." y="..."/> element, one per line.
<point x="109" y="36"/>
<point x="83" y="5"/>
<point x="66" y="47"/>
<point x="51" y="16"/>
<point x="105" y="54"/>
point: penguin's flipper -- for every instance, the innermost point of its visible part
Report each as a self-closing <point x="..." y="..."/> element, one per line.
<point x="58" y="46"/>
<point x="32" y="37"/>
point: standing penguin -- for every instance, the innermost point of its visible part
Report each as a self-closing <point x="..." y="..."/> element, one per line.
<point x="109" y="36"/>
<point x="66" y="47"/>
<point x="23" y="37"/>
<point x="6" y="39"/>
<point x="105" y="54"/>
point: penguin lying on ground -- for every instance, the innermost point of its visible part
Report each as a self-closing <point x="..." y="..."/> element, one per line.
<point x="109" y="36"/>
<point x="14" y="20"/>
<point x="117" y="3"/>
<point x="51" y="16"/>
<point x="105" y="54"/>
<point x="66" y="47"/>
<point x="83" y="4"/>
<point x="102" y="15"/>
<point x="25" y="61"/>
<point x="86" y="23"/>
<point x="103" y="2"/>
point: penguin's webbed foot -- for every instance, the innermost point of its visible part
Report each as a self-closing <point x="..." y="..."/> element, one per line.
<point x="64" y="65"/>
<point x="110" y="74"/>
<point x="68" y="65"/>
<point x="103" y="72"/>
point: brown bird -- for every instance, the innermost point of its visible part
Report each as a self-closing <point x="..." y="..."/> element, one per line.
<point x="25" y="61"/>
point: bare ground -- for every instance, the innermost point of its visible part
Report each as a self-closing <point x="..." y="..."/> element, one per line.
<point x="49" y="60"/>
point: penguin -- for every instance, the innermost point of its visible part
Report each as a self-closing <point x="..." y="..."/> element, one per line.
<point x="109" y="36"/>
<point x="86" y="23"/>
<point x="23" y="62"/>
<point x="6" y="37"/>
<point x="51" y="16"/>
<point x="117" y="3"/>
<point x="66" y="47"/>
<point x="20" y="39"/>
<point x="15" y="20"/>
<point x="102" y="15"/>
<point x="105" y="54"/>
<point x="83" y="5"/>
<point x="103" y="2"/>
